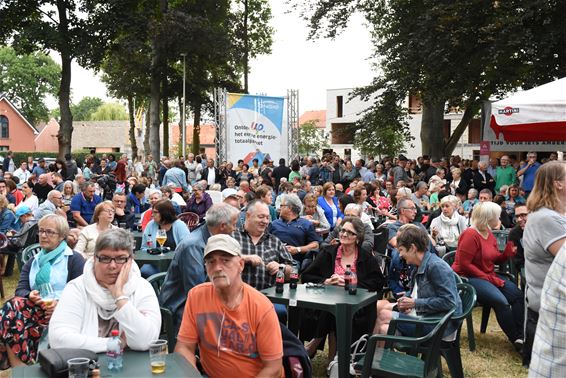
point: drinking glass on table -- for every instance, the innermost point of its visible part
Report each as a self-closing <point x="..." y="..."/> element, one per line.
<point x="78" y="367"/>
<point x="161" y="238"/>
<point x="157" y="353"/>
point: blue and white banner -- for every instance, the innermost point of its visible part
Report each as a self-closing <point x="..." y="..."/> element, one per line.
<point x="255" y="128"/>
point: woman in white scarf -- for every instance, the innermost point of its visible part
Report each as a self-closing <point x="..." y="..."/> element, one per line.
<point x="109" y="295"/>
<point x="450" y="224"/>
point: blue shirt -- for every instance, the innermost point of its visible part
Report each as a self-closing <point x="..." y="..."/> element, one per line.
<point x="297" y="232"/>
<point x="529" y="176"/>
<point x="37" y="170"/>
<point x="85" y="207"/>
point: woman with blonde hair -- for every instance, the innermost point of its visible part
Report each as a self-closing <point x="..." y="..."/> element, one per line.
<point x="476" y="257"/>
<point x="450" y="224"/>
<point x="102" y="220"/>
<point x="544" y="235"/>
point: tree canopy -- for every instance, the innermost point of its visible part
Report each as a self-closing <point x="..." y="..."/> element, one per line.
<point x="27" y="79"/>
<point x="453" y="54"/>
<point x="311" y="139"/>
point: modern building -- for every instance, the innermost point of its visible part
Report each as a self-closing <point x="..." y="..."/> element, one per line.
<point x="341" y="111"/>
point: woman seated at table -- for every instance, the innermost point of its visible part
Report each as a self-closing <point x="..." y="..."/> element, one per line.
<point x="329" y="268"/>
<point x="476" y="257"/>
<point x="433" y="289"/>
<point x="103" y="217"/>
<point x="25" y="317"/>
<point x="200" y="201"/>
<point x="329" y="204"/>
<point x="155" y="195"/>
<point x="314" y="213"/>
<point x="449" y="225"/>
<point x="110" y="295"/>
<point x="164" y="218"/>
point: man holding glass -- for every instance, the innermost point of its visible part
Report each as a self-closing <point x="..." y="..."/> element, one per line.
<point x="233" y="325"/>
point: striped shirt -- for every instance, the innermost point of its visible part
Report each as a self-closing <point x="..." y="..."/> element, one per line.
<point x="269" y="248"/>
<point x="549" y="348"/>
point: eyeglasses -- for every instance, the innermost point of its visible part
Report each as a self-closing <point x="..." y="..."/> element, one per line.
<point x="348" y="232"/>
<point x="109" y="211"/>
<point x="410" y="208"/>
<point x="521" y="215"/>
<point x="47" y="232"/>
<point x="118" y="260"/>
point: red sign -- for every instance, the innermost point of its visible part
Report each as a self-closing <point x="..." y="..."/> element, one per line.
<point x="485" y="147"/>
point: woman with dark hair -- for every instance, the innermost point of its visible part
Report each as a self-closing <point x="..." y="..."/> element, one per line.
<point x="329" y="268"/>
<point x="295" y="167"/>
<point x="244" y="174"/>
<point x="329" y="204"/>
<point x="61" y="167"/>
<point x="200" y="201"/>
<point x="164" y="218"/>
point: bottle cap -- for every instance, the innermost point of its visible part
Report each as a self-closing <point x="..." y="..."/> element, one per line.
<point x="115" y="332"/>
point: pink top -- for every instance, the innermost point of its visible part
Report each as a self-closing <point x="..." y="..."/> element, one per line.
<point x="338" y="268"/>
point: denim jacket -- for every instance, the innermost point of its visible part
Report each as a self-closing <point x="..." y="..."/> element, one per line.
<point x="436" y="290"/>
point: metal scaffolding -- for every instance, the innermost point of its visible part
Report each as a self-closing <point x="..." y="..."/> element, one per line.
<point x="292" y="124"/>
<point x="220" y="101"/>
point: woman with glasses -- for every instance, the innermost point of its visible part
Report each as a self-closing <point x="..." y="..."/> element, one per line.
<point x="102" y="220"/>
<point x="200" y="201"/>
<point x="25" y="317"/>
<point x="329" y="268"/>
<point x="111" y="294"/>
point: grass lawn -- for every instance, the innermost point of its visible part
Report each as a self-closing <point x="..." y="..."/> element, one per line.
<point x="494" y="356"/>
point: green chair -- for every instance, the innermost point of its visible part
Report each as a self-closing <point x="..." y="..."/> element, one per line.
<point x="386" y="362"/>
<point x="27" y="253"/>
<point x="449" y="258"/>
<point x="167" y="329"/>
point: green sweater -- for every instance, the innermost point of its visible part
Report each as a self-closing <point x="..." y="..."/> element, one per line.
<point x="504" y="176"/>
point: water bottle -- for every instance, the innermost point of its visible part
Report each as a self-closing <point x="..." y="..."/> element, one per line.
<point x="353" y="286"/>
<point x="294" y="275"/>
<point x="114" y="352"/>
<point x="280" y="279"/>
<point x="149" y="241"/>
<point x="347" y="277"/>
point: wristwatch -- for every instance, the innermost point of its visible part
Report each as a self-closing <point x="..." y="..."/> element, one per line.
<point x="298" y="249"/>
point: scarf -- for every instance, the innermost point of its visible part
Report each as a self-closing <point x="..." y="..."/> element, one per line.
<point x="449" y="229"/>
<point x="103" y="299"/>
<point x="45" y="260"/>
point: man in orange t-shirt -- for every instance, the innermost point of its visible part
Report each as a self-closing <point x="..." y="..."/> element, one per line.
<point x="234" y="326"/>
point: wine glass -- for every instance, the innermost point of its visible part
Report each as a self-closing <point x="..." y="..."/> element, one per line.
<point x="161" y="238"/>
<point x="47" y="293"/>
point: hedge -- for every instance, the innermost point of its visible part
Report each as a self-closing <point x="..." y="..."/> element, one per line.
<point x="79" y="156"/>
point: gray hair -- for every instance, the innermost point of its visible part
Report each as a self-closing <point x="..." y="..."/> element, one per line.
<point x="293" y="201"/>
<point x="86" y="185"/>
<point x="355" y="207"/>
<point x="403" y="203"/>
<point x="473" y="192"/>
<point x="452" y="199"/>
<point x="220" y="213"/>
<point x="421" y="184"/>
<point x="115" y="239"/>
<point x="61" y="223"/>
<point x="406" y="191"/>
<point x="198" y="186"/>
<point x="155" y="191"/>
<point x="52" y="193"/>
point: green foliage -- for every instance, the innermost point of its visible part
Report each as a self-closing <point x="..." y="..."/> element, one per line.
<point x="109" y="112"/>
<point x="311" y="139"/>
<point x="78" y="155"/>
<point x="86" y="107"/>
<point x="27" y="79"/>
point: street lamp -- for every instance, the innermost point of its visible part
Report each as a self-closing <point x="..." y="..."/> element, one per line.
<point x="183" y="115"/>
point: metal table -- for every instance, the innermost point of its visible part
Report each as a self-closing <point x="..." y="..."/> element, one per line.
<point x="333" y="299"/>
<point x="161" y="262"/>
<point x="136" y="364"/>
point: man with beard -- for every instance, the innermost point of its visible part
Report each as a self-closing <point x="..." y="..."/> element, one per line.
<point x="232" y="324"/>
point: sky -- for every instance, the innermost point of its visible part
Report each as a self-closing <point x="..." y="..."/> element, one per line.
<point x="312" y="67"/>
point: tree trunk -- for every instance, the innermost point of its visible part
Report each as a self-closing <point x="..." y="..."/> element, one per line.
<point x="196" y="130"/>
<point x="66" y="122"/>
<point x="132" y="131"/>
<point x="146" y="147"/>
<point x="467" y="117"/>
<point x="155" y="86"/>
<point x="432" y="136"/>
<point x="165" y="101"/>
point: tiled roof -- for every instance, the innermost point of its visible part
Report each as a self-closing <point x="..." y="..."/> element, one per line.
<point x="318" y="116"/>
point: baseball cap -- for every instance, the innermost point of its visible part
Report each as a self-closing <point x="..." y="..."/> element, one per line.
<point x="224" y="243"/>
<point x="402" y="157"/>
<point x="22" y="210"/>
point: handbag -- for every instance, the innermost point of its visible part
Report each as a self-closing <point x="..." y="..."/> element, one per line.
<point x="54" y="361"/>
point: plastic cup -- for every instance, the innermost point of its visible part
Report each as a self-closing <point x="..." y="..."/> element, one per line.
<point x="78" y="367"/>
<point x="157" y="354"/>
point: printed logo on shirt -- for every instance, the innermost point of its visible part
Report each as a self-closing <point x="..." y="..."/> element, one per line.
<point x="234" y="337"/>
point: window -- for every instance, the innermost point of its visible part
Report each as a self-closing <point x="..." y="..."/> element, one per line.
<point x="474" y="131"/>
<point x="4" y="127"/>
<point x="339" y="106"/>
<point x="4" y="148"/>
<point x="342" y="133"/>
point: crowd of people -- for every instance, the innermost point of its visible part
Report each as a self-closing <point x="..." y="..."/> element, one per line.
<point x="233" y="227"/>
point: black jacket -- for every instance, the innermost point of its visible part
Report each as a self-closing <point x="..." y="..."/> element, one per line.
<point x="278" y="173"/>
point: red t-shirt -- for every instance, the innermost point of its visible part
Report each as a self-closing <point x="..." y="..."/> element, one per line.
<point x="476" y="257"/>
<point x="231" y="342"/>
<point x="120" y="171"/>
